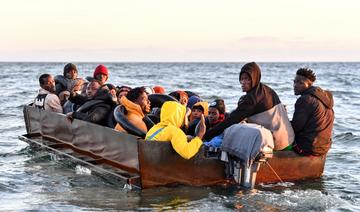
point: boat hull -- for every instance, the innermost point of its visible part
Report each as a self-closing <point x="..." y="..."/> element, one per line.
<point x="148" y="163"/>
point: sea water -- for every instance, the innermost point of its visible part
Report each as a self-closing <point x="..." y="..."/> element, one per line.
<point x="34" y="180"/>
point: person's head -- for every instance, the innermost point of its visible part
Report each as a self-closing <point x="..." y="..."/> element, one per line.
<point x="47" y="82"/>
<point x="122" y="91"/>
<point x="193" y="100"/>
<point x="78" y="86"/>
<point x="112" y="90"/>
<point x="304" y="79"/>
<point x="70" y="71"/>
<point x="196" y="111"/>
<point x="249" y="76"/>
<point x="139" y="96"/>
<point x="159" y="89"/>
<point x="92" y="88"/>
<point x="216" y="108"/>
<point x="101" y="73"/>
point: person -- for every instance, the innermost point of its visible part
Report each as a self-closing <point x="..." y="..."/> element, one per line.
<point x="97" y="107"/>
<point x="313" y="117"/>
<point x="172" y="116"/>
<point x="46" y="98"/>
<point x="66" y="81"/>
<point x="193" y="100"/>
<point x="122" y="91"/>
<point x="101" y="74"/>
<point x="260" y="105"/>
<point x="216" y="113"/>
<point x="199" y="109"/>
<point x="137" y="105"/>
<point x="159" y="89"/>
<point x="181" y="96"/>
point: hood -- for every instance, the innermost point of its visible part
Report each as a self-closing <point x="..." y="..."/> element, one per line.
<point x="324" y="96"/>
<point x="131" y="107"/>
<point x="172" y="113"/>
<point x="253" y="70"/>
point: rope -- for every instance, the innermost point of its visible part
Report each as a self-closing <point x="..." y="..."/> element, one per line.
<point x="267" y="163"/>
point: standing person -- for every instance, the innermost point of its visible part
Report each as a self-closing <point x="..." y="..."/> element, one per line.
<point x="101" y="74"/>
<point x="172" y="116"/>
<point x="260" y="105"/>
<point x="313" y="117"/>
<point x="46" y="98"/>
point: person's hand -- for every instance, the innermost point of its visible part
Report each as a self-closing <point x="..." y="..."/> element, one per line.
<point x="202" y="127"/>
<point x="69" y="116"/>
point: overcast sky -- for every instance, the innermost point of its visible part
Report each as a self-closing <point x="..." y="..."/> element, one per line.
<point x="179" y="30"/>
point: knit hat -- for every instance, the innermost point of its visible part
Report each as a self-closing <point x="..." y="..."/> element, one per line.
<point x="159" y="89"/>
<point x="193" y="100"/>
<point x="101" y="69"/>
<point x="219" y="105"/>
<point x="68" y="67"/>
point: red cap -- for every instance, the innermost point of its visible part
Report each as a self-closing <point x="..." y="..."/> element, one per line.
<point x="101" y="69"/>
<point x="159" y="89"/>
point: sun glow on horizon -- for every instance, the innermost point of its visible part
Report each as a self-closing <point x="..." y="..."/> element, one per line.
<point x="161" y="30"/>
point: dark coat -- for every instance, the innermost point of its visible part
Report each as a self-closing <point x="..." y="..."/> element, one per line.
<point x="97" y="109"/>
<point x="313" y="121"/>
<point x="259" y="99"/>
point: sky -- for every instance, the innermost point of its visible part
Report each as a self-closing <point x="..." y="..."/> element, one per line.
<point x="179" y="30"/>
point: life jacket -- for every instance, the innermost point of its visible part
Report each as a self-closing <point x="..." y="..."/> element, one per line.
<point x="40" y="101"/>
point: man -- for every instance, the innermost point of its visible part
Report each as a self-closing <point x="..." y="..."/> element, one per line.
<point x="313" y="116"/>
<point x="46" y="98"/>
<point x="96" y="108"/>
<point x="137" y="105"/>
<point x="261" y="105"/>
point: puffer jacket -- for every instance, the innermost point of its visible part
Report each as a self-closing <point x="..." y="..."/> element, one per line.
<point x="134" y="114"/>
<point x="172" y="117"/>
<point x="261" y="105"/>
<point x="97" y="109"/>
<point x="313" y="121"/>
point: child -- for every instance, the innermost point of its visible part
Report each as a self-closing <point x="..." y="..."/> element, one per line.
<point x="216" y="113"/>
<point x="199" y="109"/>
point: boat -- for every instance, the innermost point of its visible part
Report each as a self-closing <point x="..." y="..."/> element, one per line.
<point x="146" y="164"/>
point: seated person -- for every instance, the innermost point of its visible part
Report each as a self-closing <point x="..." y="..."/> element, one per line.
<point x="112" y="91"/>
<point x="199" y="109"/>
<point x="260" y="105"/>
<point x="46" y="98"/>
<point x="97" y="107"/>
<point x="173" y="115"/>
<point x="181" y="96"/>
<point x="122" y="91"/>
<point x="137" y="105"/>
<point x="216" y="113"/>
<point x="101" y="74"/>
<point x="66" y="81"/>
<point x="313" y="117"/>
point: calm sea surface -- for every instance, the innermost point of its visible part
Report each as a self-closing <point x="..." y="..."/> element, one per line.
<point x="35" y="180"/>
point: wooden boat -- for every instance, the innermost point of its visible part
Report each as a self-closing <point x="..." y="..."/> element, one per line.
<point x="146" y="164"/>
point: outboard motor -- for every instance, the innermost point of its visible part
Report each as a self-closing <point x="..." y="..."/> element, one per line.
<point x="243" y="173"/>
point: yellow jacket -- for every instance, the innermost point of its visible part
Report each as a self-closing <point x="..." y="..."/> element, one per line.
<point x="134" y="114"/>
<point x="172" y="117"/>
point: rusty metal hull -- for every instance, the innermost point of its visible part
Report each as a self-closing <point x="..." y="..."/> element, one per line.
<point x="147" y="163"/>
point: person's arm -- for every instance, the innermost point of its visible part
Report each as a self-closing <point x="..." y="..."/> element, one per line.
<point x="96" y="116"/>
<point x="301" y="114"/>
<point x="53" y="102"/>
<point x="245" y="109"/>
<point x="77" y="99"/>
<point x="184" y="148"/>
